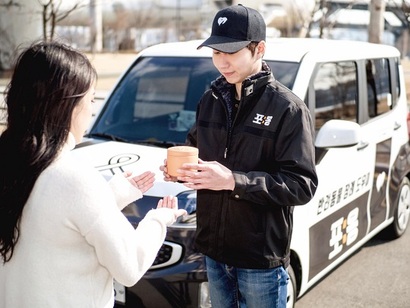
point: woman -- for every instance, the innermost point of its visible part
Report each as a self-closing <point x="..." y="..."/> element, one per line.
<point x="63" y="237"/>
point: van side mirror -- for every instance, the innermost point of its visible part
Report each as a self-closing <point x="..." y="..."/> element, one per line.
<point x="338" y="133"/>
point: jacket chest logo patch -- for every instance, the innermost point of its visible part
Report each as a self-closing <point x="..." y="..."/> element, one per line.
<point x="262" y="119"/>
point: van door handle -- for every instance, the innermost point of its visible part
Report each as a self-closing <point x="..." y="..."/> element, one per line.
<point x="362" y="145"/>
<point x="396" y="125"/>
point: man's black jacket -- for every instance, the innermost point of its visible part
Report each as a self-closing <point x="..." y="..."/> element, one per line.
<point x="268" y="143"/>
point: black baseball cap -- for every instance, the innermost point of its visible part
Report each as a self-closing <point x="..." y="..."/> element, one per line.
<point x="234" y="28"/>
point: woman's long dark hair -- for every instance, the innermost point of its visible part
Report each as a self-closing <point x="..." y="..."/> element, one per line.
<point x="48" y="82"/>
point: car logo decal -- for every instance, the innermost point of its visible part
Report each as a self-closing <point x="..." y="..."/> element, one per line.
<point x="117" y="162"/>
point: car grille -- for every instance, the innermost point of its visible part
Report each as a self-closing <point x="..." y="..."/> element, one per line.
<point x="169" y="254"/>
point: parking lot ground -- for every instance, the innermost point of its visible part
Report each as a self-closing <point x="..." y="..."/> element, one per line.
<point x="376" y="276"/>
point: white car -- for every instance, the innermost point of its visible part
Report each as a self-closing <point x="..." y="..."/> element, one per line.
<point x="356" y="94"/>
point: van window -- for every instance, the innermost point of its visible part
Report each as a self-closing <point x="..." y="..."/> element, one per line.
<point x="335" y="88"/>
<point x="379" y="93"/>
<point x="285" y="72"/>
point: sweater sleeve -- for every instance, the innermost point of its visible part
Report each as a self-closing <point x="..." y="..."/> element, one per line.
<point x="124" y="192"/>
<point x="126" y="253"/>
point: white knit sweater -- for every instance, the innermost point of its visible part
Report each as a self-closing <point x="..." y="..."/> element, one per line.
<point x="74" y="240"/>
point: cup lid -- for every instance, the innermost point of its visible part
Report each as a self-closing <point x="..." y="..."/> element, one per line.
<point x="182" y="150"/>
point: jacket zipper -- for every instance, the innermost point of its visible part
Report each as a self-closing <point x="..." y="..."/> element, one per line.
<point x="231" y="125"/>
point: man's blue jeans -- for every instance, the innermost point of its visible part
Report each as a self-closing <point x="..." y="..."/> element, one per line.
<point x="232" y="287"/>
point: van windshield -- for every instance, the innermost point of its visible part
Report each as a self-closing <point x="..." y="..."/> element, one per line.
<point x="155" y="102"/>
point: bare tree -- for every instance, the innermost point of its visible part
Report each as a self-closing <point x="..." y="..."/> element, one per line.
<point x="52" y="13"/>
<point x="7" y="46"/>
<point x="10" y="3"/>
<point x="140" y="19"/>
<point x="376" y="24"/>
<point x="301" y="18"/>
<point x="324" y="8"/>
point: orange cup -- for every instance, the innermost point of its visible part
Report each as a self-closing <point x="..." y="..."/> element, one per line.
<point x="178" y="155"/>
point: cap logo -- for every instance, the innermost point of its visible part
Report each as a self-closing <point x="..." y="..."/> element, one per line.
<point x="222" y="20"/>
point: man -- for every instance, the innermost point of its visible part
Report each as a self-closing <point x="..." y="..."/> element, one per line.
<point x="255" y="141"/>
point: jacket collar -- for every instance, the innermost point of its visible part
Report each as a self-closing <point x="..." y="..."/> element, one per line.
<point x="249" y="86"/>
<point x="255" y="82"/>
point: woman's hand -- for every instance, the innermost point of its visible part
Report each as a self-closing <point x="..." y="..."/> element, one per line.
<point x="143" y="182"/>
<point x="171" y="202"/>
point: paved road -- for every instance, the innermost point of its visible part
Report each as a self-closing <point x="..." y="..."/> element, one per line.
<point x="377" y="276"/>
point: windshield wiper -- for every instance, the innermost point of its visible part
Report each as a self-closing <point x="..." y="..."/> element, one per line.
<point x="158" y="143"/>
<point x="108" y="136"/>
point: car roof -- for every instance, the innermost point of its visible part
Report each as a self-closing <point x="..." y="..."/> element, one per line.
<point x="287" y="49"/>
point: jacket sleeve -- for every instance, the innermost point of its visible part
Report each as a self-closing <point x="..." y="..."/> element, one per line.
<point x="294" y="181"/>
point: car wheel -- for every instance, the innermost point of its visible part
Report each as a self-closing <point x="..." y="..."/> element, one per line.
<point x="402" y="211"/>
<point x="291" y="297"/>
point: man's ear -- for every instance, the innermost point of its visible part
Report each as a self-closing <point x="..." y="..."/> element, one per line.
<point x="260" y="49"/>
